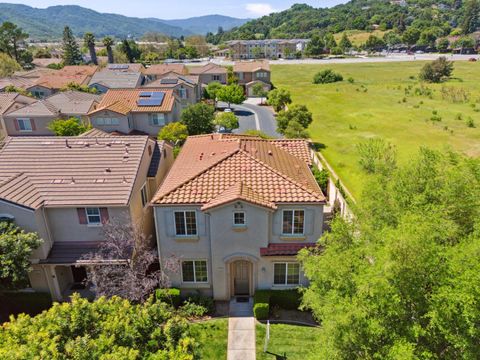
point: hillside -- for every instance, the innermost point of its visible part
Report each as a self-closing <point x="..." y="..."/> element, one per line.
<point x="49" y="23"/>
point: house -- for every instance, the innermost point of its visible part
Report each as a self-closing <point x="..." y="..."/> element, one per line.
<point x="33" y="118"/>
<point x="268" y="48"/>
<point x="185" y="87"/>
<point x="137" y="68"/>
<point x="236" y="210"/>
<point x="154" y="72"/>
<point x="250" y="73"/>
<point x="67" y="188"/>
<point x="127" y="110"/>
<point x="10" y="102"/>
<point x="209" y="73"/>
<point x="15" y="81"/>
<point x="47" y="85"/>
<point x="108" y="79"/>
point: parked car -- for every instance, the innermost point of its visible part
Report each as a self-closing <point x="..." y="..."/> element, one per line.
<point x="472" y="59"/>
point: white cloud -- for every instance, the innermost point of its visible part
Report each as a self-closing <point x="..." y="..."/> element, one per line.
<point x="259" y="9"/>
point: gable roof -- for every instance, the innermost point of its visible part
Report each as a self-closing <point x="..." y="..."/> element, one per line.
<point x="124" y="101"/>
<point x="251" y="66"/>
<point x="160" y="69"/>
<point x="17" y="81"/>
<point x="70" y="171"/>
<point x="171" y="80"/>
<point x="79" y="70"/>
<point x="13" y="101"/>
<point x="212" y="170"/>
<point x="209" y="68"/>
<point x="60" y="80"/>
<point x="116" y="79"/>
<point x="136" y="67"/>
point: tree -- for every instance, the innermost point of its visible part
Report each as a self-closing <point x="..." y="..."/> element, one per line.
<point x="411" y="36"/>
<point x="443" y="44"/>
<point x="11" y="38"/>
<point x="391" y="39"/>
<point x="327" y="76"/>
<point x="257" y="133"/>
<point x="108" y="43"/>
<point x="198" y="119"/>
<point x="259" y="91"/>
<point x="174" y="132"/>
<point x="226" y="120"/>
<point x="376" y="155"/>
<point x="398" y="281"/>
<point x="231" y="94"/>
<point x="316" y="46"/>
<point x="345" y="44"/>
<point x="16" y="247"/>
<point x="73" y="86"/>
<point x="374" y="43"/>
<point x="68" y="127"/>
<point x="330" y="42"/>
<point x="295" y="130"/>
<point x="296" y="113"/>
<point x="191" y="52"/>
<point x="436" y="70"/>
<point x="13" y="89"/>
<point x="212" y="90"/>
<point x="279" y="98"/>
<point x="471" y="17"/>
<point x="8" y="65"/>
<point x="257" y="52"/>
<point x="71" y="53"/>
<point x="89" y="41"/>
<point x="464" y="42"/>
<point x="130" y="49"/>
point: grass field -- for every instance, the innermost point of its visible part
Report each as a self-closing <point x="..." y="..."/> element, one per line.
<point x="212" y="337"/>
<point x="358" y="37"/>
<point x="385" y="100"/>
<point x="297" y="342"/>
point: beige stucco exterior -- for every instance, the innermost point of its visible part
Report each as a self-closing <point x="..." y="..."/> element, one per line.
<point x="41" y="124"/>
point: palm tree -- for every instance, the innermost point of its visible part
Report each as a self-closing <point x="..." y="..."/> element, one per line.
<point x="108" y="42"/>
<point x="89" y="41"/>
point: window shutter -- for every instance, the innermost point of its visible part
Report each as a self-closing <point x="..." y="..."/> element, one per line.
<point x="309" y="222"/>
<point x="17" y="127"/>
<point x="104" y="215"/>
<point x="32" y="122"/>
<point x="82" y="216"/>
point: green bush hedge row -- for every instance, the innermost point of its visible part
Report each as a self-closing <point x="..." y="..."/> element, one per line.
<point x="31" y="303"/>
<point x="285" y="299"/>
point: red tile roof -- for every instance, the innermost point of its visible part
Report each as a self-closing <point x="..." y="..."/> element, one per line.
<point x="160" y="69"/>
<point x="284" y="249"/>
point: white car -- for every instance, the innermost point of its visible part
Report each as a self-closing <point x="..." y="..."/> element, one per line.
<point x="227" y="110"/>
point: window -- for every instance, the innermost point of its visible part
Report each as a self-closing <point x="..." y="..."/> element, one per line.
<point x="185" y="223"/>
<point x="38" y="94"/>
<point x="239" y="218"/>
<point x="262" y="74"/>
<point x="24" y="124"/>
<point x="216" y="77"/>
<point x="293" y="222"/>
<point x="157" y="119"/>
<point x="194" y="271"/>
<point x="286" y="273"/>
<point x="143" y="192"/>
<point x="93" y="216"/>
<point x="107" y="121"/>
<point x="182" y="93"/>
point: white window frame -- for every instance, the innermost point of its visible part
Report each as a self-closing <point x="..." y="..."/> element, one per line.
<point x="293" y="233"/>
<point x="244" y="218"/>
<point x="92" y="223"/>
<point x="185" y="223"/>
<point x="194" y="261"/>
<point x="183" y="93"/>
<point x="285" y="283"/>
<point x="144" y="195"/>
<point x="24" y="121"/>
<point x="155" y="119"/>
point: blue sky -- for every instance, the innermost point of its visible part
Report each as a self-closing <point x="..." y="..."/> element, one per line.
<point x="175" y="9"/>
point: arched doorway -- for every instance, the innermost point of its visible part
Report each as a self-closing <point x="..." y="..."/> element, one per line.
<point x="241" y="276"/>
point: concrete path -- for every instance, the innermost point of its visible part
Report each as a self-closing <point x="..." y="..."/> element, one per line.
<point x="241" y="331"/>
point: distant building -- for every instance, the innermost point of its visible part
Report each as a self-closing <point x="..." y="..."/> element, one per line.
<point x="270" y="48"/>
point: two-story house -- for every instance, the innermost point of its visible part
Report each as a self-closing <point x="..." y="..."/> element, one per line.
<point x="185" y="87"/>
<point x="108" y="79"/>
<point x="250" y="73"/>
<point x="10" y="102"/>
<point x="67" y="188"/>
<point x="209" y="73"/>
<point x="139" y="110"/>
<point x="157" y="71"/>
<point x="34" y="117"/>
<point x="236" y="210"/>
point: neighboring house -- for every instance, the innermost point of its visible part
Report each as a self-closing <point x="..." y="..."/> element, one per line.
<point x="186" y="87"/>
<point x="268" y="48"/>
<point x="88" y="70"/>
<point x="144" y="110"/>
<point x="125" y="68"/>
<point x="209" y="73"/>
<point x="16" y="81"/>
<point x="108" y="79"/>
<point x="10" y="102"/>
<point x="250" y="73"/>
<point x="33" y="118"/>
<point x="236" y="211"/>
<point x="154" y="72"/>
<point x="66" y="188"/>
<point x="48" y="85"/>
<point x="35" y="73"/>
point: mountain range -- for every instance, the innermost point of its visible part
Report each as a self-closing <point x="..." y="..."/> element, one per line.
<point x="48" y="23"/>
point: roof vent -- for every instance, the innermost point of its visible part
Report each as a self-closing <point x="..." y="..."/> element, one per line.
<point x="124" y="180"/>
<point x="108" y="170"/>
<point x="72" y="181"/>
<point x="201" y="156"/>
<point x="67" y="144"/>
<point x="270" y="152"/>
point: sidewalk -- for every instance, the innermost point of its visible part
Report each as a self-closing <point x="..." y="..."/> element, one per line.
<point x="241" y="331"/>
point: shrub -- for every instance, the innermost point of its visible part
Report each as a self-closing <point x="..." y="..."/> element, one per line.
<point x="321" y="176"/>
<point x="261" y="311"/>
<point x="437" y="70"/>
<point x="351" y="80"/>
<point x="327" y="76"/>
<point x="470" y="122"/>
<point x="202" y="300"/>
<point x="376" y="155"/>
<point x="285" y="299"/>
<point x="191" y="310"/>
<point x="68" y="127"/>
<point x="169" y="296"/>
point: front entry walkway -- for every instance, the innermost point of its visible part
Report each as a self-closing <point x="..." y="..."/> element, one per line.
<point x="241" y="331"/>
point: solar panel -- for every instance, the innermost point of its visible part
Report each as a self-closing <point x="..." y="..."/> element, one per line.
<point x="158" y="95"/>
<point x="146" y="94"/>
<point x="118" y="66"/>
<point x="149" y="102"/>
<point x="168" y="81"/>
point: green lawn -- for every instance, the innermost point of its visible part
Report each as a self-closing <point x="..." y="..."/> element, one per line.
<point x="212" y="336"/>
<point x="377" y="104"/>
<point x="297" y="342"/>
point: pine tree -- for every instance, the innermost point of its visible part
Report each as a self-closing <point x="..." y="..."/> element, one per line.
<point x="471" y="18"/>
<point x="71" y="52"/>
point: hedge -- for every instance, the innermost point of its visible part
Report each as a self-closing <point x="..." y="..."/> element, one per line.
<point x="284" y="299"/>
<point x="170" y="296"/>
<point x="31" y="303"/>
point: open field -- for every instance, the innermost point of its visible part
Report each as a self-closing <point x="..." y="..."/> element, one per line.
<point x="359" y="37"/>
<point x="388" y="101"/>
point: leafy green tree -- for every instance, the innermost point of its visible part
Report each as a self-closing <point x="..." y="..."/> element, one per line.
<point x="316" y="46"/>
<point x="130" y="49"/>
<point x="471" y="18"/>
<point x="345" y="44"/>
<point x="259" y="91"/>
<point x="279" y="98"/>
<point x="191" y="52"/>
<point x="330" y="42"/>
<point x="327" y="76"/>
<point x="374" y="43"/>
<point x="174" y="132"/>
<point x="108" y="43"/>
<point x="73" y="86"/>
<point x="71" y="52"/>
<point x="411" y="36"/>
<point x="16" y="247"/>
<point x="89" y="41"/>
<point x="443" y="44"/>
<point x="436" y="70"/>
<point x="296" y="113"/>
<point x="8" y="65"/>
<point x="257" y="52"/>
<point x="231" y="94"/>
<point x="295" y="130"/>
<point x="231" y="78"/>
<point x="198" y="119"/>
<point x="376" y="155"/>
<point x="391" y="38"/>
<point x="464" y="42"/>
<point x="68" y="127"/>
<point x="227" y="120"/>
<point x="212" y="90"/>
<point x="12" y="38"/>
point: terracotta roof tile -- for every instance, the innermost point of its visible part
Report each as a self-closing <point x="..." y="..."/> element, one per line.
<point x="160" y="69"/>
<point x="284" y="249"/>
<point x="209" y="68"/>
<point x="251" y="66"/>
<point x="60" y="80"/>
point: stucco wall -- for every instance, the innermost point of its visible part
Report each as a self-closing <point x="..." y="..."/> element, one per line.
<point x="123" y="122"/>
<point x="47" y="92"/>
<point x="208" y="78"/>
<point x="141" y="122"/>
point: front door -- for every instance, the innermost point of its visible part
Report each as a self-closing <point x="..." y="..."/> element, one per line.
<point x="241" y="279"/>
